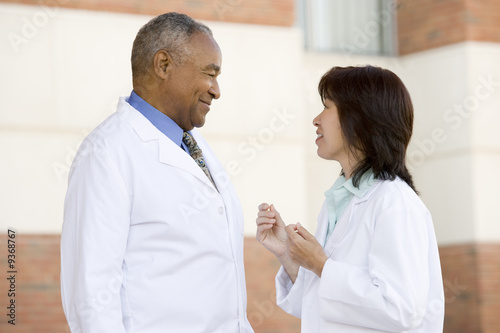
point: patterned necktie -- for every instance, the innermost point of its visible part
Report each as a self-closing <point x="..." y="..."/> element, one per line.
<point x="196" y="154"/>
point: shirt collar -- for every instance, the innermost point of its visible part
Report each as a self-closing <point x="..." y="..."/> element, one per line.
<point x="160" y="120"/>
<point x="365" y="183"/>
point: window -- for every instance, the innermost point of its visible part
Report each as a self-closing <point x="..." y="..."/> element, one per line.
<point x="347" y="26"/>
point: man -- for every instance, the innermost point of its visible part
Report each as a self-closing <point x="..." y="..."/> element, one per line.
<point x="152" y="239"/>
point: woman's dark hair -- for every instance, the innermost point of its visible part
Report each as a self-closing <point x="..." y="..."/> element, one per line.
<point x="376" y="117"/>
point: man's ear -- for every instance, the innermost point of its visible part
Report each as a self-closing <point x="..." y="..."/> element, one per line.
<point x="162" y="63"/>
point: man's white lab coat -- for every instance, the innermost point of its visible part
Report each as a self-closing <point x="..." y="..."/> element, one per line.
<point x="383" y="273"/>
<point x="148" y="244"/>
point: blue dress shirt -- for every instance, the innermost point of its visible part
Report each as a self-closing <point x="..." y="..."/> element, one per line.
<point x="160" y="120"/>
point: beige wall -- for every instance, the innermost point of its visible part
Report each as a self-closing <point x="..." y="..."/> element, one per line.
<point x="459" y="97"/>
<point x="67" y="76"/>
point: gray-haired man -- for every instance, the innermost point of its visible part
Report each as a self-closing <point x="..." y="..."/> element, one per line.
<point x="152" y="238"/>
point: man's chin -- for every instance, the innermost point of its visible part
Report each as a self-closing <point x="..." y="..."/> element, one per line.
<point x="199" y="123"/>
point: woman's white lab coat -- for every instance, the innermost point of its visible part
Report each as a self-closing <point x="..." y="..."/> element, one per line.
<point x="383" y="273"/>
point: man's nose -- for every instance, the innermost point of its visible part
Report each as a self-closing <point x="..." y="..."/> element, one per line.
<point x="215" y="90"/>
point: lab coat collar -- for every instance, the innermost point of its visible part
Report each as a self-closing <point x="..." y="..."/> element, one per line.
<point x="343" y="223"/>
<point x="169" y="153"/>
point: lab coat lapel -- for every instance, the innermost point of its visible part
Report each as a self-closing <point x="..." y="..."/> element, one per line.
<point x="168" y="152"/>
<point x="219" y="175"/>
<point x="226" y="190"/>
<point x="322" y="224"/>
<point x="341" y="228"/>
<point x="171" y="154"/>
<point x="344" y="222"/>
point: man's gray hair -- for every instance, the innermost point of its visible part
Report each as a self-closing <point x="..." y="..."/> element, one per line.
<point x="170" y="32"/>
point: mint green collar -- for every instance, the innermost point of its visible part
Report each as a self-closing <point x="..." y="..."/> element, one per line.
<point x="366" y="182"/>
<point x="341" y="193"/>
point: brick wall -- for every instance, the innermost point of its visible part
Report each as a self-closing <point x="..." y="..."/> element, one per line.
<point x="426" y="24"/>
<point x="422" y="24"/>
<point x="265" y="12"/>
<point x="471" y="275"/>
<point x="260" y="268"/>
<point x="38" y="297"/>
<point x="483" y="20"/>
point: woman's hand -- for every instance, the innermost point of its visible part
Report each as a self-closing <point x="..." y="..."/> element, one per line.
<point x="271" y="233"/>
<point x="304" y="249"/>
<point x="271" y="230"/>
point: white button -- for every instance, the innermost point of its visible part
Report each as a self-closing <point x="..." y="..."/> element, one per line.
<point x="221" y="210"/>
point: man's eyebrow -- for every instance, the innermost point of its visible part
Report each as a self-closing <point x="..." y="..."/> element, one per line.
<point x="212" y="67"/>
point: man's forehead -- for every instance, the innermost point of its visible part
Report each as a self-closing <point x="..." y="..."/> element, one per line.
<point x="201" y="40"/>
<point x="205" y="52"/>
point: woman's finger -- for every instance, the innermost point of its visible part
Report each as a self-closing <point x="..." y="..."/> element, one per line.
<point x="264" y="226"/>
<point x="266" y="213"/>
<point x="263" y="220"/>
<point x="263" y="206"/>
<point x="303" y="231"/>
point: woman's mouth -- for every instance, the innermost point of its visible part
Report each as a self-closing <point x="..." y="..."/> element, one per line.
<point x="319" y="136"/>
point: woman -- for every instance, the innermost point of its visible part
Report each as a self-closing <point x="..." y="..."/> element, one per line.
<point x="373" y="265"/>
